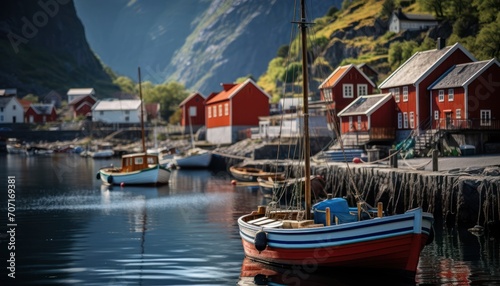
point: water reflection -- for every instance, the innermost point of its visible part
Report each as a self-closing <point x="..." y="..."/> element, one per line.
<point x="254" y="273"/>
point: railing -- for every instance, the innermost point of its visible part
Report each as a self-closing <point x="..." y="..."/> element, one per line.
<point x="462" y="124"/>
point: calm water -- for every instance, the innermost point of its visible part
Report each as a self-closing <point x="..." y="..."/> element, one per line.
<point x="71" y="230"/>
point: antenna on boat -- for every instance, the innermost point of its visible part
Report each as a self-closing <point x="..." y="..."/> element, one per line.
<point x="142" y="115"/>
<point x="305" y="108"/>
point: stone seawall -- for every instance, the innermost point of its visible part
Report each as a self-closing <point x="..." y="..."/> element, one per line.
<point x="463" y="198"/>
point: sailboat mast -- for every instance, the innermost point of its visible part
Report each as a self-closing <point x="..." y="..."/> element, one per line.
<point x="142" y="112"/>
<point x="305" y="108"/>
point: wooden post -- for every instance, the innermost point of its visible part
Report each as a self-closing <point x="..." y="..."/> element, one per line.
<point x="328" y="219"/>
<point x="261" y="209"/>
<point x="380" y="209"/>
<point x="434" y="160"/>
<point x="394" y="158"/>
<point x="359" y="211"/>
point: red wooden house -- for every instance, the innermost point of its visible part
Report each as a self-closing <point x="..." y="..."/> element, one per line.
<point x="368" y="118"/>
<point x="82" y="105"/>
<point x="410" y="81"/>
<point x="236" y="107"/>
<point x="193" y="112"/>
<point x="342" y="87"/>
<point x="40" y="113"/>
<point x="467" y="96"/>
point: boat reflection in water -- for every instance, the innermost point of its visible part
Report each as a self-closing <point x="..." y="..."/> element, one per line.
<point x="256" y="273"/>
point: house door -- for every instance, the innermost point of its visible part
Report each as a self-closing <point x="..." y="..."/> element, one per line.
<point x="448" y="120"/>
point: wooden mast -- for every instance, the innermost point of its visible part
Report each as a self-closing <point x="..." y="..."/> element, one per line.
<point x="305" y="111"/>
<point x="142" y="112"/>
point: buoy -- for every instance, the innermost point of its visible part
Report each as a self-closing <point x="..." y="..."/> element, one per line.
<point x="260" y="240"/>
<point x="122" y="184"/>
<point x="233" y="182"/>
<point x="356" y="160"/>
<point x="110" y="179"/>
<point x="98" y="176"/>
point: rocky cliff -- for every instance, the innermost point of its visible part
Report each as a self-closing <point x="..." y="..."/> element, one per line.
<point x="43" y="48"/>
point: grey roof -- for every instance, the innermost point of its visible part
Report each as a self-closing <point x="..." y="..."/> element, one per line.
<point x="365" y="104"/>
<point x="414" y="68"/>
<point x="459" y="75"/>
<point x="81" y="91"/>
<point x="117" y="104"/>
<point x="42" y="108"/>
<point x="4" y="100"/>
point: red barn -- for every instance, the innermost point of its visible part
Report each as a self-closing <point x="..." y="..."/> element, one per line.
<point x="40" y="113"/>
<point x="368" y="118"/>
<point x="410" y="81"/>
<point x="467" y="96"/>
<point x="82" y="105"/>
<point x="342" y="87"/>
<point x="193" y="112"/>
<point x="236" y="107"/>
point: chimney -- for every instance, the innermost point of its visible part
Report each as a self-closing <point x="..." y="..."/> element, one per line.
<point x="441" y="43"/>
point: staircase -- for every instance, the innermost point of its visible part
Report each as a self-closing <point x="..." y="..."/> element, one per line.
<point x="425" y="141"/>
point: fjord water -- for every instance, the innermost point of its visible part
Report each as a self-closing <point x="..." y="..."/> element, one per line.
<point x="72" y="230"/>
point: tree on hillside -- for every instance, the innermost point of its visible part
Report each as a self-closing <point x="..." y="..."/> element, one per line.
<point x="488" y="41"/>
<point x="387" y="8"/>
<point x="169" y="95"/>
<point x="31" y="98"/>
<point x="435" y="6"/>
<point x="487" y="10"/>
<point x="126" y="84"/>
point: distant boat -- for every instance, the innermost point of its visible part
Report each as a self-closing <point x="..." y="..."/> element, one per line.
<point x="104" y="150"/>
<point x="193" y="158"/>
<point x="14" y="146"/>
<point x="251" y="174"/>
<point x="137" y="168"/>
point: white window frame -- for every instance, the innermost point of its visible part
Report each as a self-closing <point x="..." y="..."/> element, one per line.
<point x="214" y="110"/>
<point x="436" y="114"/>
<point x="226" y="109"/>
<point x="209" y="112"/>
<point x="220" y="110"/>
<point x="400" y="120"/>
<point x="327" y="94"/>
<point x="451" y="94"/>
<point x="485" y="115"/>
<point x="458" y="113"/>
<point x="405" y="93"/>
<point x="405" y="120"/>
<point x="192" y="111"/>
<point x="412" y="120"/>
<point x="396" y="94"/>
<point x="441" y="95"/>
<point x="351" y="125"/>
<point x="347" y="90"/>
<point x="359" y="122"/>
<point x="362" y="89"/>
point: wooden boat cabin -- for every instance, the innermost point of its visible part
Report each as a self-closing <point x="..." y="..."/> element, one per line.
<point x="138" y="162"/>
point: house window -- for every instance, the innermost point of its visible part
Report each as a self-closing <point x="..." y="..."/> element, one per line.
<point x="127" y="112"/>
<point x="327" y="94"/>
<point x="226" y="109"/>
<point x="1" y="118"/>
<point x="405" y="93"/>
<point x="214" y="110"/>
<point x="451" y="95"/>
<point x="405" y="120"/>
<point x="13" y="107"/>
<point x="412" y="120"/>
<point x="458" y="114"/>
<point x="138" y="160"/>
<point x="1" y="109"/>
<point x="436" y="115"/>
<point x="396" y="94"/>
<point x="362" y="89"/>
<point x="220" y="109"/>
<point x="347" y="88"/>
<point x="101" y="112"/>
<point x="127" y="118"/>
<point x="359" y="122"/>
<point x="209" y="112"/>
<point x="400" y="120"/>
<point x="485" y="117"/>
<point x="351" y="125"/>
<point x="192" y="111"/>
<point x="441" y="96"/>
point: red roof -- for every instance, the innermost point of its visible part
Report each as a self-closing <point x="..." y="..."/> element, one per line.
<point x="230" y="89"/>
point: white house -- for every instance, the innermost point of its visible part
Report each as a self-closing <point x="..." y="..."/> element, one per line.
<point x="77" y="92"/>
<point x="117" y="111"/>
<point x="11" y="110"/>
<point x="400" y="21"/>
